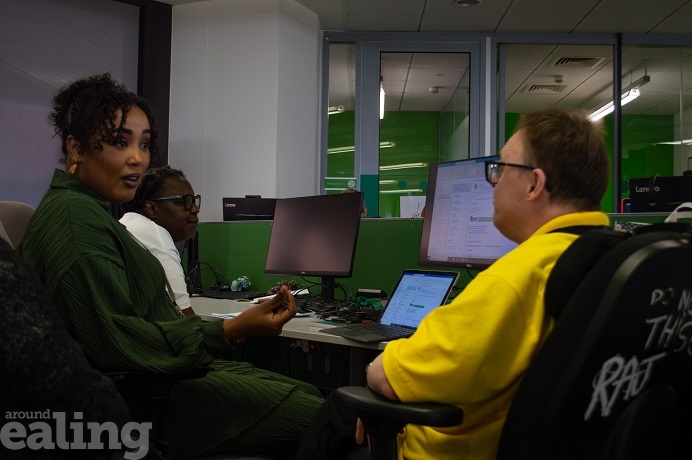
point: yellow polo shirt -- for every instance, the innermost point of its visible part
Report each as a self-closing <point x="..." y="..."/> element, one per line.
<point x="474" y="351"/>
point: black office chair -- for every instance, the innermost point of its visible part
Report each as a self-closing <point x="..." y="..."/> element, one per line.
<point x="614" y="378"/>
<point x="14" y="219"/>
<point x="146" y="394"/>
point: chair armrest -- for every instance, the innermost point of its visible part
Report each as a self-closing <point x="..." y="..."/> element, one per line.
<point x="383" y="418"/>
<point x="367" y="403"/>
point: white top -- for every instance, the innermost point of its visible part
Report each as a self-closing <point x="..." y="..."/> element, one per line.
<point x="159" y="242"/>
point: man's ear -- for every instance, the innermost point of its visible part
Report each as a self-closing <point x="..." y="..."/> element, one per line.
<point x="150" y="210"/>
<point x="537" y="186"/>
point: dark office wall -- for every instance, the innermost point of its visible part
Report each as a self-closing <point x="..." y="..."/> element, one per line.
<point x="154" y="69"/>
<point x="45" y="44"/>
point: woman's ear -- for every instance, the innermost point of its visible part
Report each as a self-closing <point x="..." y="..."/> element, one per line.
<point x="72" y="145"/>
<point x="150" y="210"/>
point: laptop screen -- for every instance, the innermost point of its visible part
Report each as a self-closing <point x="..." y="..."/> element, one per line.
<point x="416" y="294"/>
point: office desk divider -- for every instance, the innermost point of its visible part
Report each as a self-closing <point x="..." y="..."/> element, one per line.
<point x="385" y="248"/>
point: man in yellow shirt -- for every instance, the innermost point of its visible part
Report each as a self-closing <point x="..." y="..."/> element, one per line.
<point x="551" y="174"/>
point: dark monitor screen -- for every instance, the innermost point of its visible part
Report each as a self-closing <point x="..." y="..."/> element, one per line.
<point x="248" y="208"/>
<point x="458" y="228"/>
<point x="659" y="193"/>
<point x="315" y="236"/>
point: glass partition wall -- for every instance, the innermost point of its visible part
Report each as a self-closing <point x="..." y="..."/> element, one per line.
<point x="657" y="126"/>
<point x="408" y="106"/>
<point x="488" y="83"/>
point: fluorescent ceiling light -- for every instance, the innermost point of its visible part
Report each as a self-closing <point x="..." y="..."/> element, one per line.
<point x="381" y="100"/>
<point x="408" y="190"/>
<point x="403" y="166"/>
<point x="335" y="109"/>
<point x="683" y="142"/>
<point x="387" y="181"/>
<point x="629" y="93"/>
<point x="626" y="98"/>
<point x="351" y="148"/>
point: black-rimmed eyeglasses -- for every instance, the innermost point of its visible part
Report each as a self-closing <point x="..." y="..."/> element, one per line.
<point x="188" y="200"/>
<point x="493" y="170"/>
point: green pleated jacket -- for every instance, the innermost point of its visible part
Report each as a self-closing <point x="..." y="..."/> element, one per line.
<point x="111" y="292"/>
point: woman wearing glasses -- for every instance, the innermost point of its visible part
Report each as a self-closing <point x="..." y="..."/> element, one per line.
<point x="111" y="291"/>
<point x="164" y="212"/>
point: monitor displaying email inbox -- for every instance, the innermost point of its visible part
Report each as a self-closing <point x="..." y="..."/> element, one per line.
<point x="417" y="293"/>
<point x="458" y="228"/>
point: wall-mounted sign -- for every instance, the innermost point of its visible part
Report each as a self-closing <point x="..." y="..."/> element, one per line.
<point x="340" y="183"/>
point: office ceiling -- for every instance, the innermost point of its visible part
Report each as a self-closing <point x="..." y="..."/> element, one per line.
<point x="537" y="75"/>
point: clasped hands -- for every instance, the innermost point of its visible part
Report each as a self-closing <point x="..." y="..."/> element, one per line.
<point x="266" y="318"/>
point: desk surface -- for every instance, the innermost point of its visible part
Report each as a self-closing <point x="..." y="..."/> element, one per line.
<point x="302" y="328"/>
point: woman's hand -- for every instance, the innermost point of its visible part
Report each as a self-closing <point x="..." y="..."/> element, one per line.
<point x="266" y="318"/>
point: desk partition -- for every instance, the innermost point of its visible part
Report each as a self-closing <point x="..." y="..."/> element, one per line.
<point x="385" y="248"/>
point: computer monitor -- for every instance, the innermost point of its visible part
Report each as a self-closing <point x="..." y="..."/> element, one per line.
<point x="659" y="193"/>
<point x="315" y="236"/>
<point x="248" y="208"/>
<point x="458" y="228"/>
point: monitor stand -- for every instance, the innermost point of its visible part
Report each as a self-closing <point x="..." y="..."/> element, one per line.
<point x="327" y="287"/>
<point x="194" y="272"/>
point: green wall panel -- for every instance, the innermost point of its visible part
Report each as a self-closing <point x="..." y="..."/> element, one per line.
<point x="385" y="248"/>
<point x="417" y="140"/>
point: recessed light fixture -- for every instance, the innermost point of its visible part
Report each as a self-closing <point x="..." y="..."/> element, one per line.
<point x="467" y="2"/>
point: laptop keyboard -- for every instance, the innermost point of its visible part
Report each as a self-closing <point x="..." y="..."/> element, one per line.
<point x="378" y="328"/>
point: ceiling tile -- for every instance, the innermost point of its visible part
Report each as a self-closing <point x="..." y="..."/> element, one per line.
<point x="538" y="23"/>
<point x="383" y="22"/>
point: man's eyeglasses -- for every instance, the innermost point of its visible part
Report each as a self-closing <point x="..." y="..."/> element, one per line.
<point x="493" y="170"/>
<point x="188" y="200"/>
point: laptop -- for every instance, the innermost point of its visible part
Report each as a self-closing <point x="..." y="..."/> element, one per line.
<point x="416" y="294"/>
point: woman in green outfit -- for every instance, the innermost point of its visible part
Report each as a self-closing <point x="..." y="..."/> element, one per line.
<point x="112" y="292"/>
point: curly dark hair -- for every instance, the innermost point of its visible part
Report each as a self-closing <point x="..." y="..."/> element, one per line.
<point x="87" y="110"/>
<point x="152" y="186"/>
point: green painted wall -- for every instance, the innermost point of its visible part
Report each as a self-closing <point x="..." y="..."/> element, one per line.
<point x="416" y="135"/>
<point x="417" y="140"/>
<point x="385" y="248"/>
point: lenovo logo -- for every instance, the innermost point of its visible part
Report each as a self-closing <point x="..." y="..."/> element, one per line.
<point x="645" y="189"/>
